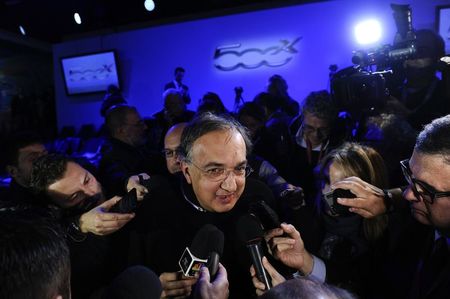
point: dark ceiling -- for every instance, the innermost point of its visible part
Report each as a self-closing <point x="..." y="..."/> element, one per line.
<point x="52" y="20"/>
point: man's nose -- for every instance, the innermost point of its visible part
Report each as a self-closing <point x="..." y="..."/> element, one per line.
<point x="409" y="195"/>
<point x="229" y="183"/>
<point x="90" y="190"/>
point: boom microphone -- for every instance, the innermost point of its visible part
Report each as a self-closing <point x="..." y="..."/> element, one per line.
<point x="205" y="250"/>
<point x="250" y="232"/>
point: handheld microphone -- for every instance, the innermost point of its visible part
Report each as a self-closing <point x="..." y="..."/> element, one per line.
<point x="205" y="250"/>
<point x="250" y="232"/>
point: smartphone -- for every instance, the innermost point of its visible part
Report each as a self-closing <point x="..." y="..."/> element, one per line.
<point x="127" y="204"/>
<point x="334" y="207"/>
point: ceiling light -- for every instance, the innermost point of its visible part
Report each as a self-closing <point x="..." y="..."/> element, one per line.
<point x="22" y="30"/>
<point x="77" y="18"/>
<point x="368" y="32"/>
<point x="149" y="5"/>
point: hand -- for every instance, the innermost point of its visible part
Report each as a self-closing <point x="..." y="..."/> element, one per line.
<point x="98" y="221"/>
<point x="293" y="197"/>
<point x="277" y="278"/>
<point x="176" y="285"/>
<point x="290" y="250"/>
<point x="218" y="289"/>
<point x="133" y="182"/>
<point x="369" y="201"/>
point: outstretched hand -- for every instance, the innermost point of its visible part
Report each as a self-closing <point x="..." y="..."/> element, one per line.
<point x="369" y="201"/>
<point x="290" y="250"/>
<point x="176" y="285"/>
<point x="276" y="277"/>
<point x="217" y="289"/>
<point x="98" y="221"/>
<point x="133" y="182"/>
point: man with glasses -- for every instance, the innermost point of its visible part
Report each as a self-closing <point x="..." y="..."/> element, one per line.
<point x="213" y="189"/>
<point x="314" y="135"/>
<point x="171" y="143"/>
<point x="125" y="154"/>
<point x="427" y="173"/>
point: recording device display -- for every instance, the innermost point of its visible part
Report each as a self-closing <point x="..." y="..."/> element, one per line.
<point x="336" y="209"/>
<point x="357" y="88"/>
<point x="250" y="232"/>
<point x="127" y="204"/>
<point x="205" y="250"/>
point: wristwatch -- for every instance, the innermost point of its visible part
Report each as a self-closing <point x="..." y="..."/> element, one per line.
<point x="388" y="200"/>
<point x="74" y="230"/>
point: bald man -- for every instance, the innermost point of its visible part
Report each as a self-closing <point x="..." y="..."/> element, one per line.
<point x="171" y="142"/>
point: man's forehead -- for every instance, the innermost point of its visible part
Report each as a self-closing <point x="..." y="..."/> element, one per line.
<point x="133" y="115"/>
<point x="35" y="147"/>
<point x="173" y="138"/>
<point x="219" y="144"/>
<point x="314" y="120"/>
<point x="69" y="181"/>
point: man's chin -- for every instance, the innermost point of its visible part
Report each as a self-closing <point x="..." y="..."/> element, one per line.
<point x="421" y="216"/>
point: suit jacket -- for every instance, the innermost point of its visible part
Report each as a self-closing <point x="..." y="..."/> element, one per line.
<point x="184" y="91"/>
<point x="440" y="287"/>
<point x="410" y="245"/>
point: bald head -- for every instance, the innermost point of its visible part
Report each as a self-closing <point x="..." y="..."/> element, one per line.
<point x="171" y="142"/>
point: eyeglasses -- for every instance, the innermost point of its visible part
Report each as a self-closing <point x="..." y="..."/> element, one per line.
<point x="217" y="174"/>
<point x="427" y="193"/>
<point x="169" y="153"/>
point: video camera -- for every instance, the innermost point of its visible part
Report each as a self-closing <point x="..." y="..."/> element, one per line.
<point x="358" y="89"/>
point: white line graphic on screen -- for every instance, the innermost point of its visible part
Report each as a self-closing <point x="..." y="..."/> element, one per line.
<point x="101" y="73"/>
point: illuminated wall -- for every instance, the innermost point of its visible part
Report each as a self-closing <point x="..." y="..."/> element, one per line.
<point x="296" y="42"/>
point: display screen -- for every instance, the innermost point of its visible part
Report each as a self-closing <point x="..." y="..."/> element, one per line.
<point x="90" y="73"/>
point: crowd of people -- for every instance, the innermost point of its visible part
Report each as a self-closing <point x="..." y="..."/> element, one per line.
<point x="285" y="164"/>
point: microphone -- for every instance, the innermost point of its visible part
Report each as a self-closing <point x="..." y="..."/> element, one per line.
<point x="250" y="232"/>
<point x="205" y="250"/>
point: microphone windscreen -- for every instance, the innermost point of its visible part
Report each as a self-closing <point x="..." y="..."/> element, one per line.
<point x="208" y="239"/>
<point x="249" y="229"/>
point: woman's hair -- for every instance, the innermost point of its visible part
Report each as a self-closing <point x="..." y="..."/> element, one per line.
<point x="364" y="162"/>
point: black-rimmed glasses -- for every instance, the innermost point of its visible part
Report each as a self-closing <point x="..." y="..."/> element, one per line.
<point x="421" y="190"/>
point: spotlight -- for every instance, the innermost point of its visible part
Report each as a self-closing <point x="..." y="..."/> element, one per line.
<point x="77" y="18"/>
<point x="368" y="32"/>
<point x="22" y="30"/>
<point x="149" y="5"/>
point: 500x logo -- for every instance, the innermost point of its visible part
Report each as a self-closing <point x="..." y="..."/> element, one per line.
<point x="229" y="58"/>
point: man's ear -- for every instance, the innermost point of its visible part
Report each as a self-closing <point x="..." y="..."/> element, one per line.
<point x="185" y="170"/>
<point x="12" y="170"/>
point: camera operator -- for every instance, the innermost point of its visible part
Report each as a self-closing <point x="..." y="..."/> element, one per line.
<point x="422" y="96"/>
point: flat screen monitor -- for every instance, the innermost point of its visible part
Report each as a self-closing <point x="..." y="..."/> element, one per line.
<point x="90" y="73"/>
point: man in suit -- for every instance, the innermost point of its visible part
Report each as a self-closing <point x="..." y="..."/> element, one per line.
<point x="428" y="193"/>
<point x="178" y="85"/>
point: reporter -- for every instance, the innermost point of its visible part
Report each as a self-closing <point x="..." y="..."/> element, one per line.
<point x="97" y="241"/>
<point x="426" y="171"/>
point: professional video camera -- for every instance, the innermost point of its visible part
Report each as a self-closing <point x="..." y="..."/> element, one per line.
<point x="362" y="88"/>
